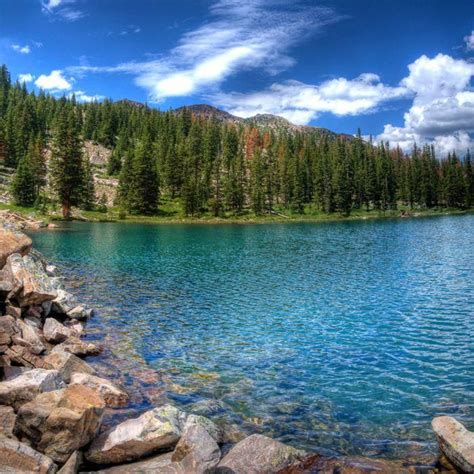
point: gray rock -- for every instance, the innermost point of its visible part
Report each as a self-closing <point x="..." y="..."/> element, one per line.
<point x="23" y="356"/>
<point x="51" y="270"/>
<point x="214" y="431"/>
<point x="161" y="464"/>
<point x="18" y="457"/>
<point x="75" y="346"/>
<point x="55" y="332"/>
<point x="61" y="422"/>
<point x="64" y="302"/>
<point x="7" y="422"/>
<point x="258" y="454"/>
<point x="31" y="277"/>
<point x="27" y="386"/>
<point x="29" y="337"/>
<point x="196" y="451"/>
<point x="67" y="363"/>
<point x="111" y="394"/>
<point x="455" y="441"/>
<point x="73" y="464"/>
<point x="79" y="312"/>
<point x="157" y="429"/>
<point x="12" y="242"/>
<point x="8" y="329"/>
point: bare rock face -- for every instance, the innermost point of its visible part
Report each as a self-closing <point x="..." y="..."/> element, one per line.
<point x="55" y="332"/>
<point x="112" y="395"/>
<point x="12" y="242"/>
<point x="196" y="450"/>
<point x="455" y="441"/>
<point x="7" y="422"/>
<point x="156" y="429"/>
<point x="18" y="457"/>
<point x="27" y="386"/>
<point x="61" y="422"/>
<point x="258" y="454"/>
<point x="67" y="363"/>
<point x="31" y="277"/>
<point x="76" y="346"/>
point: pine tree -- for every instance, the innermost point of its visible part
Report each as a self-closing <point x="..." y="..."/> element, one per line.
<point x="24" y="184"/>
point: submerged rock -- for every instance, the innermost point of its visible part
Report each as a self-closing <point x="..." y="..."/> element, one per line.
<point x="18" y="457"/>
<point x="455" y="441"/>
<point x="76" y="346"/>
<point x="61" y="422"/>
<point x="112" y="395"/>
<point x="27" y="386"/>
<point x="156" y="429"/>
<point x="258" y="454"/>
<point x="67" y="363"/>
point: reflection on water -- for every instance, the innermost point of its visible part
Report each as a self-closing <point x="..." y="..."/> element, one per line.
<point x="349" y="336"/>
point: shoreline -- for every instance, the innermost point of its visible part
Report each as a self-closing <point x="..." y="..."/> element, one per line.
<point x="299" y="463"/>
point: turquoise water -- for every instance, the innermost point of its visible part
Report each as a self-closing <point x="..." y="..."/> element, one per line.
<point x="348" y="336"/>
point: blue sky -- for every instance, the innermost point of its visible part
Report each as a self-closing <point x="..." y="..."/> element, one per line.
<point x="401" y="71"/>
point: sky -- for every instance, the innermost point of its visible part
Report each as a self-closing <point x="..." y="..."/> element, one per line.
<point x="401" y="71"/>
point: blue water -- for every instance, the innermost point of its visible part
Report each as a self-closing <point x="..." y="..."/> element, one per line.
<point x="348" y="336"/>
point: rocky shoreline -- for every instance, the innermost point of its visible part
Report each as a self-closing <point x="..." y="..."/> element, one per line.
<point x="52" y="402"/>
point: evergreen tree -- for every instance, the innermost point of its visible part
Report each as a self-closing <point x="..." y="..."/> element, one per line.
<point x="24" y="188"/>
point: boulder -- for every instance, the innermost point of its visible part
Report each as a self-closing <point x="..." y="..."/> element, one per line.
<point x="75" y="346"/>
<point x="23" y="356"/>
<point x="111" y="394"/>
<point x="79" y="313"/>
<point x="214" y="431"/>
<point x="7" y="421"/>
<point x="8" y="329"/>
<point x="75" y="325"/>
<point x="258" y="454"/>
<point x="63" y="302"/>
<point x="31" y="277"/>
<point x="13" y="310"/>
<point x="55" y="332"/>
<point x="67" y="363"/>
<point x="18" y="457"/>
<point x="28" y="337"/>
<point x="455" y="441"/>
<point x="51" y="270"/>
<point x="61" y="422"/>
<point x="157" y="429"/>
<point x="160" y="463"/>
<point x="12" y="242"/>
<point x="196" y="450"/>
<point x="27" y="386"/>
<point x="73" y="464"/>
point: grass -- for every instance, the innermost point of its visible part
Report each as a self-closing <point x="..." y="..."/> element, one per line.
<point x="170" y="211"/>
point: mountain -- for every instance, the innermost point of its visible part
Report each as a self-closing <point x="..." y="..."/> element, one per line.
<point x="263" y="121"/>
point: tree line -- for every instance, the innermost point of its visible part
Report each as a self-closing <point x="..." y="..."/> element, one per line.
<point x="211" y="166"/>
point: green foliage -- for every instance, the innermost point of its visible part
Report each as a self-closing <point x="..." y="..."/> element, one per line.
<point x="24" y="183"/>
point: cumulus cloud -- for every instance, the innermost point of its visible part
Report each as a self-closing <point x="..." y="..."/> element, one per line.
<point x="239" y="36"/>
<point x="469" y="40"/>
<point x="25" y="77"/>
<point x="301" y="103"/>
<point x="55" y="81"/>
<point x="442" y="111"/>
<point x="21" y="49"/>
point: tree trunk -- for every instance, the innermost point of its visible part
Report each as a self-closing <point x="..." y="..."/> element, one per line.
<point x="66" y="210"/>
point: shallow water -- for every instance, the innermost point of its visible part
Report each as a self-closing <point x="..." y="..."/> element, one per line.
<point x="348" y="336"/>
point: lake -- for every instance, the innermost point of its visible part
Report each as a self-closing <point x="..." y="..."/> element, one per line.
<point x="348" y="336"/>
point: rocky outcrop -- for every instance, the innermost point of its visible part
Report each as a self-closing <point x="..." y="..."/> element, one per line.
<point x="67" y="363"/>
<point x="12" y="242"/>
<point x="258" y="454"/>
<point x="112" y="395"/>
<point x="156" y="429"/>
<point x="27" y="386"/>
<point x="18" y="457"/>
<point x="61" y="422"/>
<point x="455" y="441"/>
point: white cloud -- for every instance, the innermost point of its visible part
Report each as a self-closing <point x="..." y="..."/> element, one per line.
<point x="81" y="96"/>
<point x="239" y="36"/>
<point x="21" y="49"/>
<point x="55" y="81"/>
<point x="60" y="9"/>
<point x="25" y="77"/>
<point x="442" y="112"/>
<point x="301" y="103"/>
<point x="469" y="40"/>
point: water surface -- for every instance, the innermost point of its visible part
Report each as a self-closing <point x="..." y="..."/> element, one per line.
<point x="349" y="336"/>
